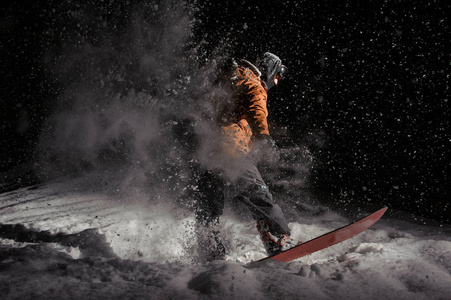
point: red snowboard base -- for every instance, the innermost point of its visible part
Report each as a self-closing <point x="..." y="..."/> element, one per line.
<point x="328" y="239"/>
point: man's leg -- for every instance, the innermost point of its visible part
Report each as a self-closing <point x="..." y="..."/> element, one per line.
<point x="209" y="207"/>
<point x="209" y="198"/>
<point x="256" y="195"/>
<point x="271" y="223"/>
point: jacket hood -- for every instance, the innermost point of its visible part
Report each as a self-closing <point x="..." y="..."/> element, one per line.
<point x="251" y="66"/>
<point x="268" y="65"/>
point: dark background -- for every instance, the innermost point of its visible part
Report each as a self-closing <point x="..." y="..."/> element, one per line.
<point x="367" y="89"/>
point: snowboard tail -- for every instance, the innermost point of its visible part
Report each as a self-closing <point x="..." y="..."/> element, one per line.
<point x="331" y="238"/>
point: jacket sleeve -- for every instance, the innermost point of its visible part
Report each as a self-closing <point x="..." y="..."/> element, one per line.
<point x="255" y="99"/>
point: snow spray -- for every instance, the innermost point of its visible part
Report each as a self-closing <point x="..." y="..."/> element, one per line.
<point x="131" y="86"/>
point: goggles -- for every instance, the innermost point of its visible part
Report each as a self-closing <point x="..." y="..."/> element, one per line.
<point x="281" y="72"/>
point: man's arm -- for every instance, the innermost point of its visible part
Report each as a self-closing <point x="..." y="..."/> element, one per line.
<point x="257" y="112"/>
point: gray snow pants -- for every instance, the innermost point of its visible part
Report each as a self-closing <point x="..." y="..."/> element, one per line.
<point x="249" y="188"/>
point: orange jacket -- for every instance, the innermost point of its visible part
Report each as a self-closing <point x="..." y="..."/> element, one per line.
<point x="245" y="118"/>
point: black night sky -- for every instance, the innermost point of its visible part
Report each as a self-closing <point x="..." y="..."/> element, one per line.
<point x="367" y="90"/>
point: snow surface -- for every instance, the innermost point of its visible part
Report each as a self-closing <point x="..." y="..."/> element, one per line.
<point x="70" y="242"/>
<point x="83" y="239"/>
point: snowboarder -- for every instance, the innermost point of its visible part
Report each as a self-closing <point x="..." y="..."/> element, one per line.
<point x="245" y="137"/>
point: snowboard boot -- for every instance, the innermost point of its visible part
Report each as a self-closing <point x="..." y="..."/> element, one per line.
<point x="275" y="244"/>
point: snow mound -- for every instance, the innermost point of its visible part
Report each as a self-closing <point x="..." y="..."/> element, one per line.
<point x="57" y="241"/>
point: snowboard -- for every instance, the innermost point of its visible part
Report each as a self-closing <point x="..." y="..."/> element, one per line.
<point x="326" y="240"/>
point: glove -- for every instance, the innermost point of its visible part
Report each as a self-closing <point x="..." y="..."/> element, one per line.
<point x="265" y="150"/>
